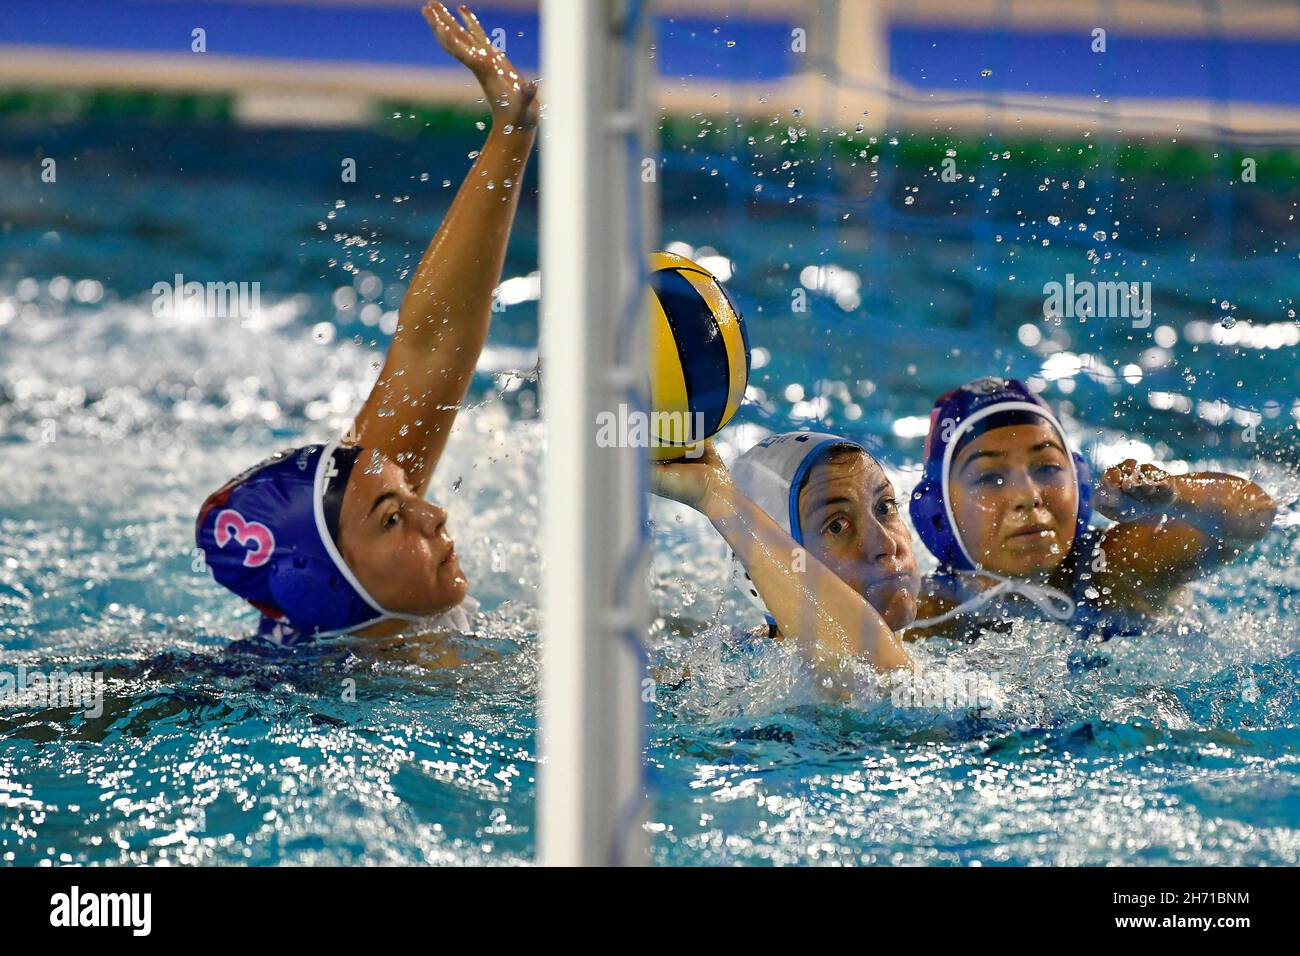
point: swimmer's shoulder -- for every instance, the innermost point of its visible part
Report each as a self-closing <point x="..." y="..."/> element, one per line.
<point x="1100" y="603"/>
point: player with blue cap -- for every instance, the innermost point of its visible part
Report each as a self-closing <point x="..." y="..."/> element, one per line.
<point x="1004" y="504"/>
<point x="337" y="538"/>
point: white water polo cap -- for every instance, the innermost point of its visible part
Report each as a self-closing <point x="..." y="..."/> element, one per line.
<point x="771" y="474"/>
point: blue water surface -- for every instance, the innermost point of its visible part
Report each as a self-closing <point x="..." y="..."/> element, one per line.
<point x="1177" y="747"/>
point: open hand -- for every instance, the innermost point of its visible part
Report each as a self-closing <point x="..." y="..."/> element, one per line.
<point x="1130" y="490"/>
<point x="512" y="99"/>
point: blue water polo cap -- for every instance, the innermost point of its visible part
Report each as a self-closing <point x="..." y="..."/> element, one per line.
<point x="270" y="535"/>
<point x="958" y="416"/>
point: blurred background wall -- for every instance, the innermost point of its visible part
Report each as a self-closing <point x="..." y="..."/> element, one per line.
<point x="1038" y="65"/>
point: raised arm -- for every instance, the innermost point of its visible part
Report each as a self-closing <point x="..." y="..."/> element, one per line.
<point x="443" y="320"/>
<point x="1173" y="527"/>
<point x="813" y="606"/>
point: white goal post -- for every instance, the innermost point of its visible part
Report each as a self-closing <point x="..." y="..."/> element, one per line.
<point x="597" y="222"/>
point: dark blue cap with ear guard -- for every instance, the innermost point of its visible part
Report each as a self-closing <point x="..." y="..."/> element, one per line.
<point x="958" y="416"/>
<point x="269" y="536"/>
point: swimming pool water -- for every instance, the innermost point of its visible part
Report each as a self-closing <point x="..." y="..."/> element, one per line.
<point x="114" y="423"/>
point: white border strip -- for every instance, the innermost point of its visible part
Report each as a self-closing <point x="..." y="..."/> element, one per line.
<point x="322" y="530"/>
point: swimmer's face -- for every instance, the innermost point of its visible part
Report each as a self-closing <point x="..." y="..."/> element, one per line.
<point x="851" y="523"/>
<point x="396" y="543"/>
<point x="1015" y="499"/>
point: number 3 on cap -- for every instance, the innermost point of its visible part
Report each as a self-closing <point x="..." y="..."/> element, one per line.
<point x="232" y="526"/>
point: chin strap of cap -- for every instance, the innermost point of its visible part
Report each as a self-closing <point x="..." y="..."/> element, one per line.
<point x="1055" y="604"/>
<point x="458" y="617"/>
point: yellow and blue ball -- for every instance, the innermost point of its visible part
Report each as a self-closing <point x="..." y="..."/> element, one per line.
<point x="699" y="356"/>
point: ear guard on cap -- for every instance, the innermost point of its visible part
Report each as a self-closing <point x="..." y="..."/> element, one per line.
<point x="313" y="595"/>
<point x="931" y="521"/>
<point x="740" y="577"/>
<point x="265" y="537"/>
